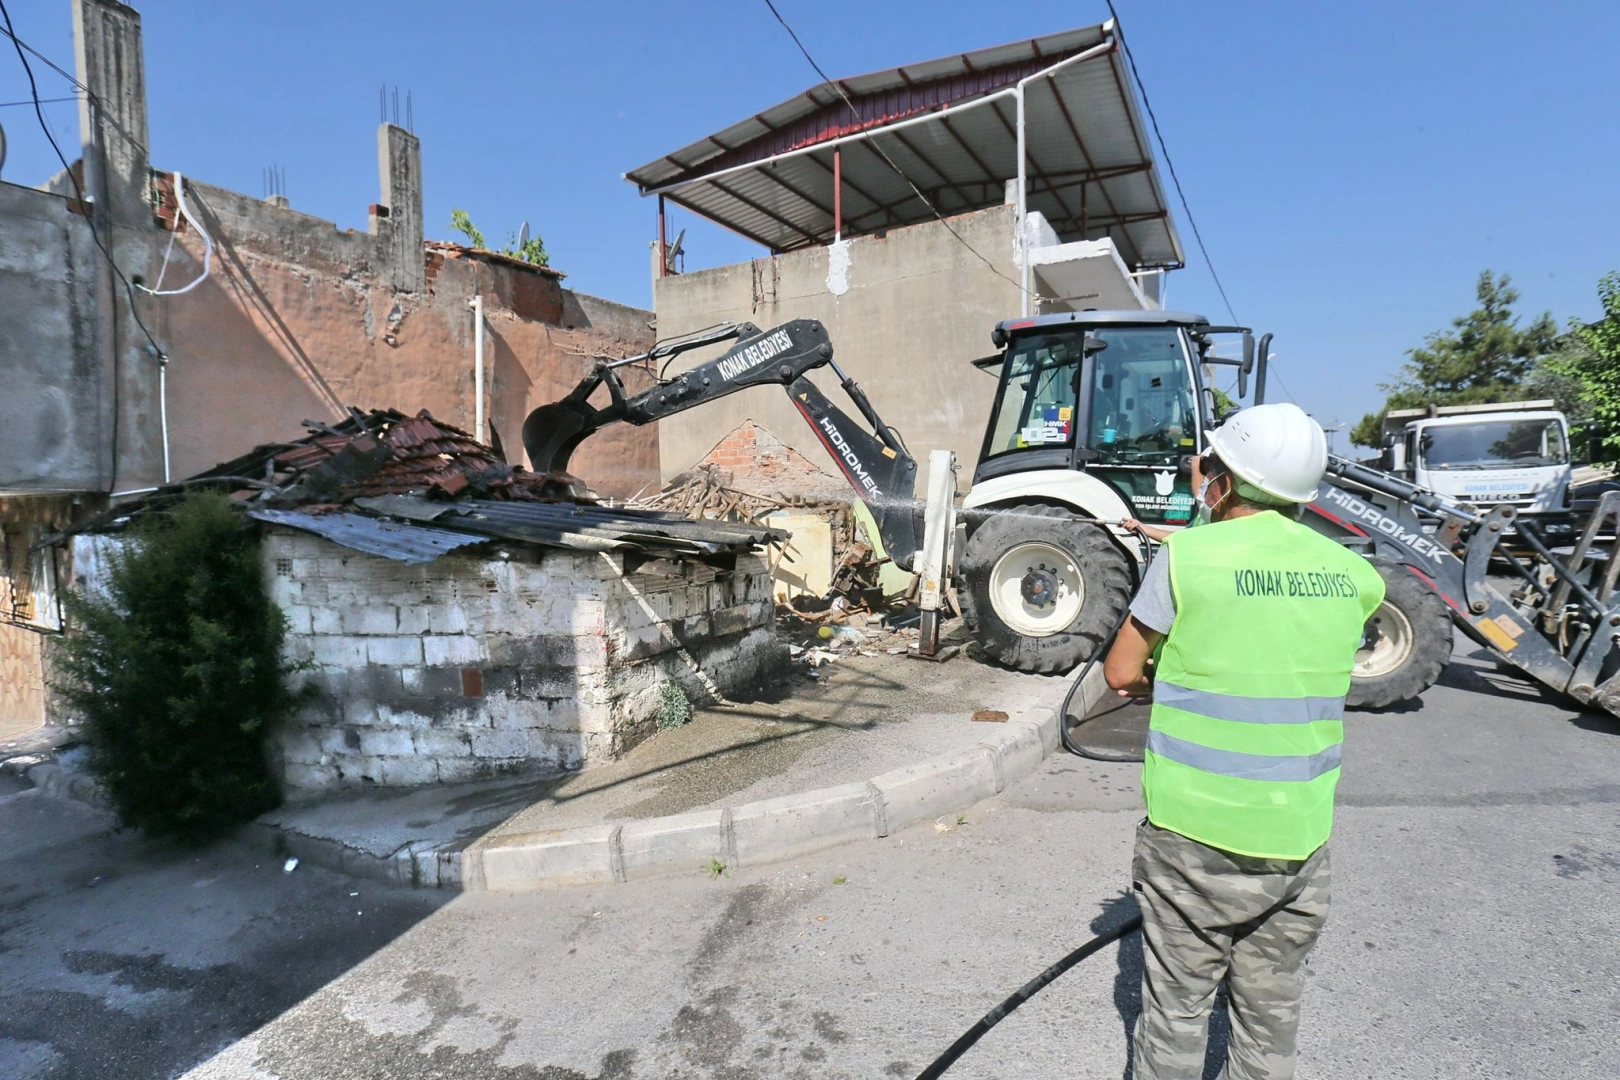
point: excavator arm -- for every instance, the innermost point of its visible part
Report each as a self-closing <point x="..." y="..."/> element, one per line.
<point x="875" y="462"/>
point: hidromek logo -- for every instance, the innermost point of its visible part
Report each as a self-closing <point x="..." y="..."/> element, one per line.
<point x="1371" y="515"/>
<point x="851" y="459"/>
<point x="751" y="356"/>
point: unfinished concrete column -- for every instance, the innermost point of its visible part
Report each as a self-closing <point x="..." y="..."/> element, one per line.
<point x="399" y="163"/>
<point x="107" y="49"/>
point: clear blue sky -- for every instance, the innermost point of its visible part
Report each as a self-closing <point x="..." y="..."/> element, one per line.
<point x="1353" y="167"/>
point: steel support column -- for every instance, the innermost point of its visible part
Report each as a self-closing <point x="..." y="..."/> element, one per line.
<point x="663" y="240"/>
<point x="1023" y="209"/>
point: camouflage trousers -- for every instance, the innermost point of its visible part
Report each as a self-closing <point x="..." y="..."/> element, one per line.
<point x="1209" y="915"/>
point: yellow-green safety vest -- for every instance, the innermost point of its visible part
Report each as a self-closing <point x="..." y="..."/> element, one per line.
<point x="1248" y="700"/>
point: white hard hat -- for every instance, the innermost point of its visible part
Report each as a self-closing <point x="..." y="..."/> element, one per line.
<point x="1277" y="449"/>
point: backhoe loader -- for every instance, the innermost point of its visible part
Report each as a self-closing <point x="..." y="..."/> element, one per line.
<point x="1096" y="418"/>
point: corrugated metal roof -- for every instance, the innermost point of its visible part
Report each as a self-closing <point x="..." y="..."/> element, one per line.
<point x="581" y="527"/>
<point x="950" y="126"/>
<point x="410" y="543"/>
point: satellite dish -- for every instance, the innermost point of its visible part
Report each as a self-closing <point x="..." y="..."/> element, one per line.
<point x="2" y="147"/>
<point x="523" y="236"/>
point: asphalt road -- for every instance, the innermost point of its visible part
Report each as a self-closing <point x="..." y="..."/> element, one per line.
<point x="1474" y="930"/>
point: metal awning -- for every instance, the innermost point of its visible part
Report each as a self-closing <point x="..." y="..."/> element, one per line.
<point x="950" y="125"/>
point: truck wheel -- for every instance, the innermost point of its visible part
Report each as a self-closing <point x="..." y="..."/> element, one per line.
<point x="1040" y="588"/>
<point x="1406" y="644"/>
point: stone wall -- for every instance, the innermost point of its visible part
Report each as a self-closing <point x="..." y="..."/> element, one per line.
<point x="473" y="665"/>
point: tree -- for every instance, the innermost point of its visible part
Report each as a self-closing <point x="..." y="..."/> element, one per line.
<point x="531" y="251"/>
<point x="178" y="673"/>
<point x="1486" y="356"/>
<point x="1594" y="366"/>
<point x="461" y="221"/>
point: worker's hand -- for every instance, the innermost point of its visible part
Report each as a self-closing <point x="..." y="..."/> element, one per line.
<point x="1150" y="531"/>
<point x="1129" y="664"/>
<point x="1141" y="687"/>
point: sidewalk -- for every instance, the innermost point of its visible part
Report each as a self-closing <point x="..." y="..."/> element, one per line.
<point x="873" y="743"/>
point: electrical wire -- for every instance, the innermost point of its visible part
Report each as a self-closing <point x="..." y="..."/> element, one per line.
<point x="42" y="101"/>
<point x="208" y="246"/>
<point x="95" y="233"/>
<point x="1272" y="372"/>
<point x="1169" y="165"/>
<point x="873" y="143"/>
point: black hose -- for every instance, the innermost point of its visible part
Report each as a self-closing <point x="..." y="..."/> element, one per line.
<point x="1064" y="733"/>
<point x="1051" y="974"/>
<point x="1024" y="993"/>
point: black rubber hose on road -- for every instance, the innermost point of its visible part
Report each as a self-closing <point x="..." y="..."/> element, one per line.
<point x="1064" y="733"/>
<point x="1025" y="992"/>
<point x="1096" y="944"/>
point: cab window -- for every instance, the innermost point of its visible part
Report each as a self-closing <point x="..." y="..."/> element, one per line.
<point x="1142" y="401"/>
<point x="1035" y="406"/>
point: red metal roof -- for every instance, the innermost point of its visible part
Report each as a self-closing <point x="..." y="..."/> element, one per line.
<point x="950" y="127"/>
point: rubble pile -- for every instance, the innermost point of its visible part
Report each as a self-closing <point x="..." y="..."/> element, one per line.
<point x="368" y="454"/>
<point x="855" y="616"/>
<point x="818" y="638"/>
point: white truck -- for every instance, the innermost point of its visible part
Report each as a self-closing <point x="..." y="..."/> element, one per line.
<point x="1513" y="453"/>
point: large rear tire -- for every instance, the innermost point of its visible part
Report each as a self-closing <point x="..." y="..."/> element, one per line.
<point x="1407" y="642"/>
<point x="1041" y="588"/>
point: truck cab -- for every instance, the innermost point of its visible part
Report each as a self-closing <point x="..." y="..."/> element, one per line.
<point x="1508" y="453"/>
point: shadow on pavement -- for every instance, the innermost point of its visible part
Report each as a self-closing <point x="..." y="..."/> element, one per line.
<point x="125" y="958"/>
<point x="1128" y="990"/>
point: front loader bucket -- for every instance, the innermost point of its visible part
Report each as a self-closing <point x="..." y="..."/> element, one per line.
<point x="1597" y="670"/>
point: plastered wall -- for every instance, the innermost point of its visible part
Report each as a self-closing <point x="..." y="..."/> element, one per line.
<point x="907" y="314"/>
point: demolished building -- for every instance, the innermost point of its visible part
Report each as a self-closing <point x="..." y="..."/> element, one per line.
<point x="268" y="316"/>
<point x="462" y="617"/>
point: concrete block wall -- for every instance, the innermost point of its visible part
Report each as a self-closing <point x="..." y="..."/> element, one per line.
<point x="475" y="664"/>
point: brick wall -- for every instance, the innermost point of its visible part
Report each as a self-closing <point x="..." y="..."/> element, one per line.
<point x="472" y="665"/>
<point x="755" y="460"/>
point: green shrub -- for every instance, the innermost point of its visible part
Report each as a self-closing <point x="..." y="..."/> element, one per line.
<point x="674" y="707"/>
<point x="177" y="672"/>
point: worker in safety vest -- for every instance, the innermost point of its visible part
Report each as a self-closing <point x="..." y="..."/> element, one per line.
<point x="1245" y="630"/>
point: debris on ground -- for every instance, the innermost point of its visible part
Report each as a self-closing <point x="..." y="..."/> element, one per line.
<point x="990" y="716"/>
<point x="854" y="615"/>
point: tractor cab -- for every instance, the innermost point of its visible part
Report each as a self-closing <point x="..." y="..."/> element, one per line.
<point x="1125" y="396"/>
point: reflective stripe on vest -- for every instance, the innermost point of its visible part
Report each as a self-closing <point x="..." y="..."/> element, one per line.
<point x="1248" y="710"/>
<point x="1241" y="766"/>
<point x="1247" y="729"/>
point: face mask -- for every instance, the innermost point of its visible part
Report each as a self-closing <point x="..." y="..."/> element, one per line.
<point x="1206" y="511"/>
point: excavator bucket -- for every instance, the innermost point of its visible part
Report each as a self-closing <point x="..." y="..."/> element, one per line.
<point x="551" y="433"/>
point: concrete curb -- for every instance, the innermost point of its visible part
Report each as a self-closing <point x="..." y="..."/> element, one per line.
<point x="62" y="783"/>
<point x="768" y="830"/>
<point x="752" y="834"/>
<point x="416" y="864"/>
